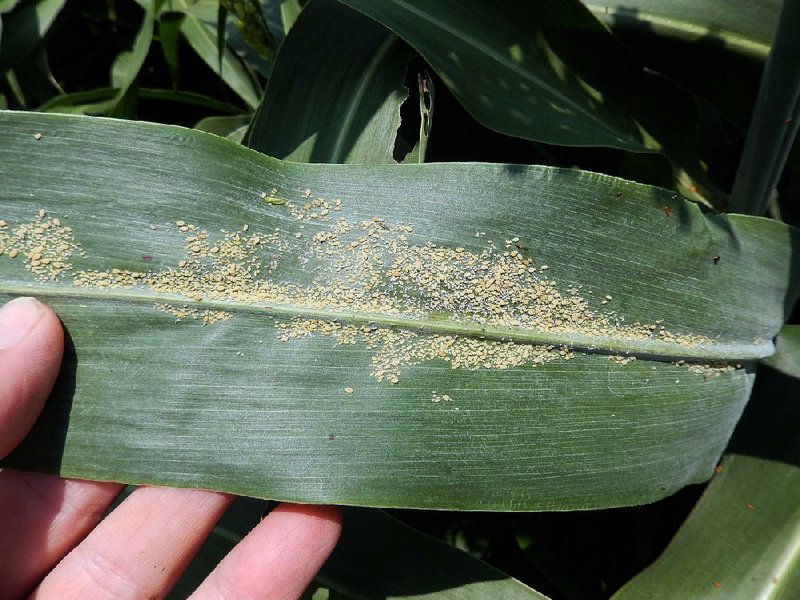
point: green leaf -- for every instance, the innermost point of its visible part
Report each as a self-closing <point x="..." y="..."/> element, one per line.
<point x="742" y="25"/>
<point x="98" y="101"/>
<point x="290" y="10"/>
<point x="335" y="90"/>
<point x="546" y="71"/>
<point x="251" y="25"/>
<point x="372" y="560"/>
<point x="230" y="405"/>
<point x="786" y="359"/>
<point x="233" y="127"/>
<point x="707" y="48"/>
<point x="742" y="540"/>
<point x="775" y="121"/>
<point x="127" y="65"/>
<point x="24" y="28"/>
<point x="7" y="6"/>
<point x="169" y="28"/>
<point x="199" y="27"/>
<point x="427" y="98"/>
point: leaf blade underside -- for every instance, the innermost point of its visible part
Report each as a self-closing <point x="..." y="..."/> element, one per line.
<point x="228" y="405"/>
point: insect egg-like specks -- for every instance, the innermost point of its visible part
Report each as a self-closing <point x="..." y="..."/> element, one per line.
<point x="381" y="272"/>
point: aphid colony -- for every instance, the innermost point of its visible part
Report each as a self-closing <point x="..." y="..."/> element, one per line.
<point x="362" y="281"/>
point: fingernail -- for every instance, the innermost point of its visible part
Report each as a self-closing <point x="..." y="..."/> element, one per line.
<point x="17" y="319"/>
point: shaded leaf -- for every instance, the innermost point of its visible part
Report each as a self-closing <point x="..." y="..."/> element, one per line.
<point x="251" y="25"/>
<point x="377" y="557"/>
<point x="127" y="65"/>
<point x="543" y="71"/>
<point x="24" y="28"/>
<point x="707" y="47"/>
<point x="550" y="72"/>
<point x="741" y="540"/>
<point x="229" y="405"/>
<point x="775" y="121"/>
<point x="786" y="359"/>
<point x="427" y="95"/>
<point x="335" y="91"/>
<point x="232" y="128"/>
<point x="199" y="27"/>
<point x="99" y="100"/>
<point x="169" y="27"/>
<point x="380" y="557"/>
<point x="744" y="25"/>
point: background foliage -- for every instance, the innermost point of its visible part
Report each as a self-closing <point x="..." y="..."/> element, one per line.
<point x="657" y="93"/>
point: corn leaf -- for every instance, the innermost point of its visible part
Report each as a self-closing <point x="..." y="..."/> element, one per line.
<point x="446" y="335"/>
<point x="335" y="90"/>
<point x="743" y="538"/>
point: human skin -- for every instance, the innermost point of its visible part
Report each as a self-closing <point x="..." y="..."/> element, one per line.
<point x="55" y="542"/>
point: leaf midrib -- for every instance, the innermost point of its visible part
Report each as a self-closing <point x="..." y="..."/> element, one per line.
<point x="653" y="349"/>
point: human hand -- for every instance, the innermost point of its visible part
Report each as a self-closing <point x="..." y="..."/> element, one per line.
<point x="52" y="540"/>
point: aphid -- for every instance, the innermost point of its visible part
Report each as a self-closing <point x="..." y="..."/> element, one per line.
<point x="715" y="259"/>
<point x="147" y="258"/>
<point x="273" y="200"/>
<point x="348" y="390"/>
<point x="667" y="211"/>
<point x="618" y="194"/>
<point x="750" y="506"/>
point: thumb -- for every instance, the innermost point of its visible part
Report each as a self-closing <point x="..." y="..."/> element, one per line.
<point x="31" y="346"/>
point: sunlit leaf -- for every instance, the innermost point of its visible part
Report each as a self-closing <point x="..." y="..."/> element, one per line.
<point x="462" y="346"/>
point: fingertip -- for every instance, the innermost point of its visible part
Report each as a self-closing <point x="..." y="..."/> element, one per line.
<point x="31" y="348"/>
<point x="279" y="557"/>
